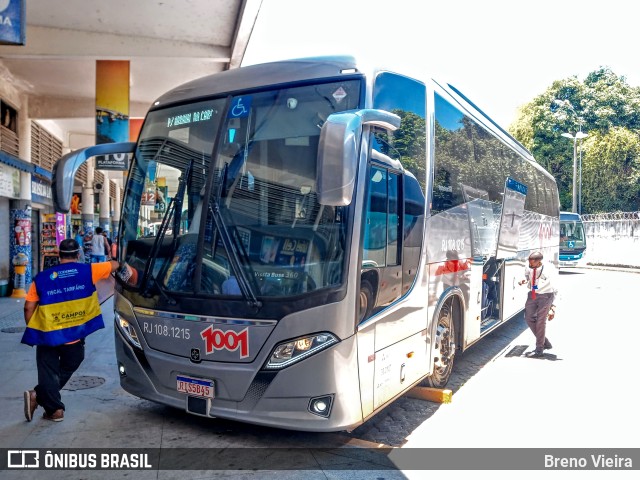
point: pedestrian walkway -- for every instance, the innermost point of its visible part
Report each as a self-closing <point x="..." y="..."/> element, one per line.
<point x="511" y="401"/>
<point x="101" y="415"/>
<point x="11" y="315"/>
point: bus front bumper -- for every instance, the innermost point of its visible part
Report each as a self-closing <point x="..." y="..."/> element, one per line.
<point x="279" y="399"/>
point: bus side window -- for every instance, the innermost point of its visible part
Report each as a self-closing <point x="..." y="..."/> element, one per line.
<point x="375" y="233"/>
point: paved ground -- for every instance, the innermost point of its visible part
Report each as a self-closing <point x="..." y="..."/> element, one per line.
<point x="582" y="395"/>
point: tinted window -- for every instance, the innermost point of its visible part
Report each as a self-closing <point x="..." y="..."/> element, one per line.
<point x="469" y="158"/>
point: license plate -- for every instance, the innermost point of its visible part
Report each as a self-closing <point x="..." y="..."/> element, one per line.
<point x="197" y="387"/>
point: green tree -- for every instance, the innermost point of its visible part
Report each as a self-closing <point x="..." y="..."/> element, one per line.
<point x="407" y="144"/>
<point x="605" y="107"/>
<point x="611" y="171"/>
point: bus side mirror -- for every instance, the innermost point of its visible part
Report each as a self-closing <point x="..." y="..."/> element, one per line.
<point x="338" y="152"/>
<point x="65" y="169"/>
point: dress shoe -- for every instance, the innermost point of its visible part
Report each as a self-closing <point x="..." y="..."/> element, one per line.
<point x="30" y="404"/>
<point x="56" y="416"/>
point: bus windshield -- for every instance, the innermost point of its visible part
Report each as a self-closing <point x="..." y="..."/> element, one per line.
<point x="221" y="198"/>
<point x="571" y="232"/>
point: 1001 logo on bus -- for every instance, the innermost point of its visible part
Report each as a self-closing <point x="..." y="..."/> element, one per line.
<point x="216" y="339"/>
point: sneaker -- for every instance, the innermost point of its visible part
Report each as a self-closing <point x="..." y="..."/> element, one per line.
<point x="30" y="404"/>
<point x="56" y="416"/>
<point x="547" y="344"/>
<point x="537" y="354"/>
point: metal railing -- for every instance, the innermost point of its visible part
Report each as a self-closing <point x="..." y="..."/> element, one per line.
<point x="613" y="238"/>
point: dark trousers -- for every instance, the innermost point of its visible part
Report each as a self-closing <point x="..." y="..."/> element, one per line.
<point x="55" y="367"/>
<point x="535" y="313"/>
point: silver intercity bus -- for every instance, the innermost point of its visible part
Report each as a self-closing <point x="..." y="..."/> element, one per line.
<point x="330" y="237"/>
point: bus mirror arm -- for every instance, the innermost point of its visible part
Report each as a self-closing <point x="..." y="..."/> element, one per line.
<point x="338" y="152"/>
<point x="67" y="166"/>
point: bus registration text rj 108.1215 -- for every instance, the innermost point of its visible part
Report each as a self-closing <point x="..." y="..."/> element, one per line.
<point x="197" y="387"/>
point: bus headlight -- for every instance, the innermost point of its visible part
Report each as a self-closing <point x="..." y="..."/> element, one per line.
<point x="127" y="329"/>
<point x="292" y="351"/>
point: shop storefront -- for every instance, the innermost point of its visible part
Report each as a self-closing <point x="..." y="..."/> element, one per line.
<point x="51" y="228"/>
<point x="9" y="194"/>
<point x="30" y="224"/>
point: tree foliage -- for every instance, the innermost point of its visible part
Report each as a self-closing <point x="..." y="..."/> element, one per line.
<point x="605" y="107"/>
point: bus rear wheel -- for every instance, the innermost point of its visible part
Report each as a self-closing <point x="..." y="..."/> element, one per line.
<point x="444" y="350"/>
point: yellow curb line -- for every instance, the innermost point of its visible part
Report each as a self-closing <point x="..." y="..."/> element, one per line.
<point x="437" y="395"/>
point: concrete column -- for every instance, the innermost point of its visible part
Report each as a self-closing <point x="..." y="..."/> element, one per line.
<point x="88" y="209"/>
<point x="105" y="208"/>
<point x="112" y="125"/>
<point x="24" y="133"/>
<point x="20" y="222"/>
<point x="115" y="220"/>
<point x="20" y="247"/>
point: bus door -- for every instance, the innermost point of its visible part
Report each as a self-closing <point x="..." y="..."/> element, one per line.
<point x="511" y="218"/>
<point x="483" y="305"/>
<point x="399" y="349"/>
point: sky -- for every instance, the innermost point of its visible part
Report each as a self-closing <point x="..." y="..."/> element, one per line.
<point x="499" y="53"/>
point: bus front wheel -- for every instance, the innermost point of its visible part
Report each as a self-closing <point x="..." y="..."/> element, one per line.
<point x="365" y="300"/>
<point x="444" y="350"/>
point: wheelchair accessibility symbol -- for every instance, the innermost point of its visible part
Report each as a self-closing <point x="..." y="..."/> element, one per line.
<point x="571" y="244"/>
<point x="240" y="107"/>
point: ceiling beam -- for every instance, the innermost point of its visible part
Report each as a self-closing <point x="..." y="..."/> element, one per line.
<point x="247" y="17"/>
<point x="47" y="42"/>
<point x="48" y="107"/>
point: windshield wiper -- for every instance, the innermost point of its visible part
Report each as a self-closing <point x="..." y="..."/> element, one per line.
<point x="232" y="253"/>
<point x="144" y="284"/>
<point x="173" y="209"/>
<point x="182" y="186"/>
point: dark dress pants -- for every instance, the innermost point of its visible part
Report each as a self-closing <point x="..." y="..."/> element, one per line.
<point x="55" y="367"/>
<point x="535" y="314"/>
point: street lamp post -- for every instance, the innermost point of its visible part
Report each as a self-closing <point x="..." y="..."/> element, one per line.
<point x="580" y="181"/>
<point x="576" y="204"/>
<point x="574" y="193"/>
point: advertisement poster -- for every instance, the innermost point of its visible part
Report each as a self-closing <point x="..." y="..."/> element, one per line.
<point x="9" y="182"/>
<point x="22" y="231"/>
<point x="160" y="195"/>
<point x="61" y="227"/>
<point x="112" y="105"/>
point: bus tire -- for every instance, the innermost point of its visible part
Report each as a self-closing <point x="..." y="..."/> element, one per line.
<point x="365" y="302"/>
<point x="445" y="349"/>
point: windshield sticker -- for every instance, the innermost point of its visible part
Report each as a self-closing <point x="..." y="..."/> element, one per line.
<point x="240" y="107"/>
<point x="339" y="94"/>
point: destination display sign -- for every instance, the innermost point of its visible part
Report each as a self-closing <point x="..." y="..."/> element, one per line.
<point x="190" y="117"/>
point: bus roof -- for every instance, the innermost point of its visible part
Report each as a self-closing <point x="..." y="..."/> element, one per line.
<point x="254" y="76"/>
<point x="569" y="216"/>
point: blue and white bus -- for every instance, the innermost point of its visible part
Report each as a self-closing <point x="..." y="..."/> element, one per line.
<point x="334" y="236"/>
<point x="573" y="240"/>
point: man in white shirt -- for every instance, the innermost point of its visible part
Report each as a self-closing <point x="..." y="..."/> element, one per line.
<point x="539" y="305"/>
<point x="100" y="251"/>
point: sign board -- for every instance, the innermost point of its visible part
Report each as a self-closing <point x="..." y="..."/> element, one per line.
<point x="117" y="161"/>
<point x="49" y="261"/>
<point x="41" y="191"/>
<point x="12" y="22"/>
<point x="9" y="181"/>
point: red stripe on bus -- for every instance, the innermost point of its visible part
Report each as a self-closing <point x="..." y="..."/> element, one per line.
<point x="452" y="266"/>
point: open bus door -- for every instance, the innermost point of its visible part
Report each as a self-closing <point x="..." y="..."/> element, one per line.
<point x="513" y="297"/>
